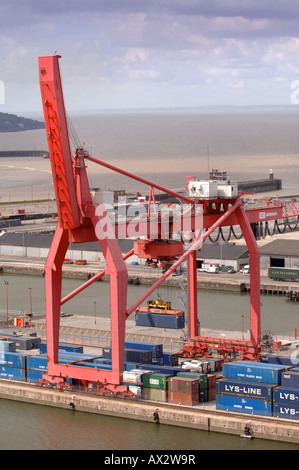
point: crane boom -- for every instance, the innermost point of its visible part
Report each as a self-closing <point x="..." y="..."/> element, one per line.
<point x="58" y="141"/>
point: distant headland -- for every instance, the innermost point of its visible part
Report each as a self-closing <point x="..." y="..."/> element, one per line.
<point x="14" y="123"/>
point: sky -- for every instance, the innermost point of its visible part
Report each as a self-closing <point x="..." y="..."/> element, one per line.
<point x="120" y="54"/>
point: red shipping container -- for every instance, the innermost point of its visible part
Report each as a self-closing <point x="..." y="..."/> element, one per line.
<point x="184" y="385"/>
<point x="211" y="380"/>
<point x="211" y="394"/>
<point x="182" y="398"/>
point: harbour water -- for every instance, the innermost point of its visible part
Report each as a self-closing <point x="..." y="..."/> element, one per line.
<point x="26" y="426"/>
<point x="226" y="310"/>
<point x="164" y="147"/>
<point x="32" y="427"/>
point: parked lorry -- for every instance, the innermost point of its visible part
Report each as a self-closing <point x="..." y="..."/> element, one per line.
<point x="283" y="274"/>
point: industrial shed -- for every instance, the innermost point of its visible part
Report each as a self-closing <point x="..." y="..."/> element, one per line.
<point x="36" y="245"/>
<point x="224" y="254"/>
<point x="280" y="253"/>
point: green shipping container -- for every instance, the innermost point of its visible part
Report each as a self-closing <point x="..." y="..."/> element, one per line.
<point x="156" y="380"/>
<point x="202" y="378"/>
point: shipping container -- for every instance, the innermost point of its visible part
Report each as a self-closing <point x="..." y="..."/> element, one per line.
<point x="211" y="378"/>
<point x="290" y="379"/>
<point x="286" y="395"/>
<point x="203" y="395"/>
<point x="136" y="390"/>
<point x="286" y="411"/>
<point x="202" y="378"/>
<point x="256" y="371"/>
<point x="24" y="343"/>
<point x="136" y="355"/>
<point x="277" y="359"/>
<point x="198" y="365"/>
<point x="170" y="359"/>
<point x="245" y="389"/>
<point x="244" y="405"/>
<point x="155" y="394"/>
<point x="172" y="370"/>
<point x="155" y="348"/>
<point x="160" y="320"/>
<point x="7" y="346"/>
<point x="211" y="394"/>
<point x="184" y="385"/>
<point x="183" y="398"/>
<point x="13" y="373"/>
<point x="283" y="274"/>
<point x="155" y="380"/>
<point x="131" y="355"/>
<point x="62" y="347"/>
<point x="133" y="378"/>
<point x="34" y="375"/>
<point x="13" y="359"/>
<point x="40" y="362"/>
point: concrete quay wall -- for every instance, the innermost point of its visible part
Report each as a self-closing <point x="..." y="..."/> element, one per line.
<point x="201" y="418"/>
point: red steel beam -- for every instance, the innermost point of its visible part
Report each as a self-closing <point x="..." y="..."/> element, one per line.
<point x="58" y="141"/>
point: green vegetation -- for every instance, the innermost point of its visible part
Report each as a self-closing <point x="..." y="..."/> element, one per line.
<point x="14" y="123"/>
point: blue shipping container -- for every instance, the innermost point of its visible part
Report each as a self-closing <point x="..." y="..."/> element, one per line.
<point x="256" y="371"/>
<point x="13" y="359"/>
<point x="131" y="355"/>
<point x="34" y="375"/>
<point x="170" y="359"/>
<point x="246" y="389"/>
<point x="93" y="365"/>
<point x="286" y="411"/>
<point x="244" y="405"/>
<point x="286" y="395"/>
<point x="62" y="347"/>
<point x="160" y="320"/>
<point x="40" y="362"/>
<point x="172" y="370"/>
<point x="156" y="348"/>
<point x="277" y="359"/>
<point x="290" y="379"/>
<point x="13" y="373"/>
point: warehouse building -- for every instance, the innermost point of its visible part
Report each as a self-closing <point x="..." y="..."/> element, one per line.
<point x="223" y="254"/>
<point x="36" y="245"/>
<point x="279" y="253"/>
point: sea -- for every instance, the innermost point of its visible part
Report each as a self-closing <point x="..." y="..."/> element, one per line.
<point x="163" y="146"/>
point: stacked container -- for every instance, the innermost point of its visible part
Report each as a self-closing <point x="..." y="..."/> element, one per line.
<point x="131" y="355"/>
<point x="155" y="348"/>
<point x="247" y="387"/>
<point x="202" y="384"/>
<point x="155" y="386"/>
<point x="286" y="397"/>
<point x="183" y="391"/>
<point x="13" y="365"/>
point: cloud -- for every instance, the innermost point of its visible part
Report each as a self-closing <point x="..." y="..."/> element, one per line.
<point x="152" y="52"/>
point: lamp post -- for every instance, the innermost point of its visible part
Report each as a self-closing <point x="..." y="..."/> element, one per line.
<point x="6" y="288"/>
<point x="30" y="293"/>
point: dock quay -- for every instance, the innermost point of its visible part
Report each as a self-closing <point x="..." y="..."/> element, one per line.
<point x="236" y="282"/>
<point x="203" y="416"/>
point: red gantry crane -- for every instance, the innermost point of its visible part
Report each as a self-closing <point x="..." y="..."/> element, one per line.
<point x="79" y="220"/>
